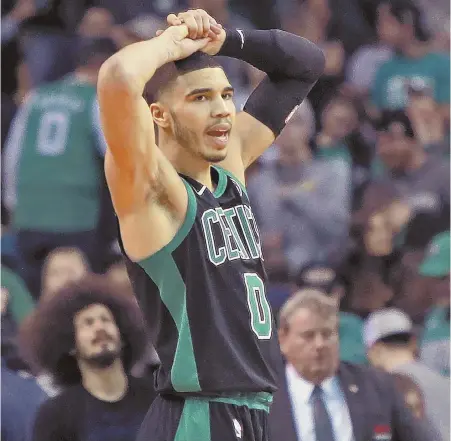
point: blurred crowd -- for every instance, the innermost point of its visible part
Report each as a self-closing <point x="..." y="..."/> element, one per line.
<point x="352" y="200"/>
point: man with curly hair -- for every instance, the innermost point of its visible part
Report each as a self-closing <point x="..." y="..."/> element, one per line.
<point x="88" y="337"/>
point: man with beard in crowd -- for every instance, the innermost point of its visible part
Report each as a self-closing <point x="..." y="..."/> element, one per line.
<point x="88" y="337"/>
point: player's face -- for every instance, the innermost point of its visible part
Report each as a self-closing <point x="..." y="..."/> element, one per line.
<point x="203" y="113"/>
<point x="97" y="337"/>
<point x="62" y="269"/>
<point x="310" y="344"/>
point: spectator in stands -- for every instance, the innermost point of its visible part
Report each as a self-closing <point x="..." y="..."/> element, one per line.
<point x="19" y="301"/>
<point x="88" y="337"/>
<point x="428" y="122"/>
<point x="391" y="345"/>
<point x="435" y="268"/>
<point x="421" y="180"/>
<point x="341" y="136"/>
<point x="366" y="60"/>
<point x="323" y="279"/>
<point x="413" y="63"/>
<point x="20" y="400"/>
<point x="295" y="202"/>
<point x="339" y="119"/>
<point x="16" y="304"/>
<point x="330" y="400"/>
<point x="53" y="165"/>
<point x="62" y="266"/>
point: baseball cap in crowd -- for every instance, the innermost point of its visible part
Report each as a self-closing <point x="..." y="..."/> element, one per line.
<point x="385" y="323"/>
<point x="390" y="120"/>
<point x="437" y="260"/>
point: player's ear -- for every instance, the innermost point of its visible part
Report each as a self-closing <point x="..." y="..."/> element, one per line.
<point x="160" y="115"/>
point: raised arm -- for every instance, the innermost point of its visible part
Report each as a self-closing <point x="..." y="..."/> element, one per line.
<point x="292" y="64"/>
<point x="133" y="161"/>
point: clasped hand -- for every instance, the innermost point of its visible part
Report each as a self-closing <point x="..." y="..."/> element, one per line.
<point x="192" y="31"/>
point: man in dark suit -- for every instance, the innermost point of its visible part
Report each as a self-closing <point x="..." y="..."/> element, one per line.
<point x="321" y="399"/>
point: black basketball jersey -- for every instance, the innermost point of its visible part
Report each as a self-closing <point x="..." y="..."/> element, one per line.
<point x="203" y="297"/>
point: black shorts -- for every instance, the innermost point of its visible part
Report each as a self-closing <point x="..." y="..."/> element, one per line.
<point x="242" y="417"/>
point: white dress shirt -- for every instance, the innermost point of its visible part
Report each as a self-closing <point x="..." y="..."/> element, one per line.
<point x="300" y="392"/>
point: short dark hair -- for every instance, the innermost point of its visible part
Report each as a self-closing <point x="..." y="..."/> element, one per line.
<point x="406" y="12"/>
<point x="168" y="73"/>
<point x="47" y="336"/>
<point x="400" y="339"/>
<point x="389" y="117"/>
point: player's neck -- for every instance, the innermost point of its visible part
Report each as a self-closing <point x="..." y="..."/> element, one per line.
<point x="107" y="384"/>
<point x="185" y="163"/>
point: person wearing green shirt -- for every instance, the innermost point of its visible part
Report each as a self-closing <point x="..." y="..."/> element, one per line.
<point x="412" y="65"/>
<point x="54" y="165"/>
<point x="435" y="268"/>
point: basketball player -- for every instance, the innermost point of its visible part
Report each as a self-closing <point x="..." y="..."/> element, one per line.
<point x="185" y="220"/>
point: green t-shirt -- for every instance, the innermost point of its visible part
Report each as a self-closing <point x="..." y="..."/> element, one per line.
<point x="436" y="326"/>
<point x="339" y="151"/>
<point x="352" y="347"/>
<point x="20" y="301"/>
<point x="390" y="85"/>
<point x="58" y="146"/>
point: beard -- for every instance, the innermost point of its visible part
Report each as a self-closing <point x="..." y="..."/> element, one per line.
<point x="103" y="359"/>
<point x="190" y="141"/>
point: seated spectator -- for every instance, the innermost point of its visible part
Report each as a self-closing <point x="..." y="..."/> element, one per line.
<point x="366" y="60"/>
<point x="53" y="167"/>
<point x="19" y="300"/>
<point x="421" y="181"/>
<point x="20" y="400"/>
<point x="300" y="214"/>
<point x="435" y="268"/>
<point x="62" y="266"/>
<point x="428" y="122"/>
<point x="339" y="119"/>
<point x="89" y="336"/>
<point x="413" y="63"/>
<point x="341" y="137"/>
<point x="324" y="399"/>
<point x="391" y="346"/>
<point x="16" y="304"/>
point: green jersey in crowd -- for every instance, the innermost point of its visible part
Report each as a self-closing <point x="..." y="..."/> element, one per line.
<point x="53" y="159"/>
<point x="391" y="83"/>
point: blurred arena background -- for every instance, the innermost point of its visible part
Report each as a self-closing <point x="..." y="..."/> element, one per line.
<point x="353" y="198"/>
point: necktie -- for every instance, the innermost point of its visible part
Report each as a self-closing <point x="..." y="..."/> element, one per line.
<point x="321" y="419"/>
